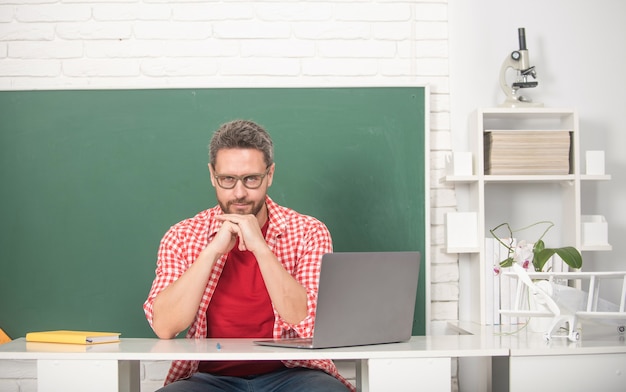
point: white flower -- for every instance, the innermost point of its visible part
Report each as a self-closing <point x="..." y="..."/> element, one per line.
<point x="523" y="253"/>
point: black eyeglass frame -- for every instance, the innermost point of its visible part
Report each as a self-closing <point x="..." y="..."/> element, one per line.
<point x="220" y="177"/>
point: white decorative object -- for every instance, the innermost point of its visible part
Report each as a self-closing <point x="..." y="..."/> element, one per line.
<point x="537" y="304"/>
<point x="563" y="305"/>
<point x="595" y="230"/>
<point x="461" y="231"/>
<point x="459" y="164"/>
<point x="594" y="162"/>
<point x="556" y="303"/>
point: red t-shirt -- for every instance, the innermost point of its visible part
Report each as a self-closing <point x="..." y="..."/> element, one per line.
<point x="240" y="308"/>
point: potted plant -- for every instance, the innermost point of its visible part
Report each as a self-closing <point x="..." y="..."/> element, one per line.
<point x="521" y="256"/>
<point x="535" y="254"/>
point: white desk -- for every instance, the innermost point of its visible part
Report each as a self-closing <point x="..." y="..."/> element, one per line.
<point x="423" y="363"/>
<point x="597" y="362"/>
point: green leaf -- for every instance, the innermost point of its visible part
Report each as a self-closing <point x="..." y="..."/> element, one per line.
<point x="571" y="256"/>
<point x="542" y="257"/>
<point x="507" y="263"/>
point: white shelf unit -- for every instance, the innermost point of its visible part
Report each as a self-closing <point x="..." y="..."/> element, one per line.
<point x="519" y="200"/>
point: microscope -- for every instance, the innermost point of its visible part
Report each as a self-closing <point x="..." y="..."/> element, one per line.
<point x="519" y="60"/>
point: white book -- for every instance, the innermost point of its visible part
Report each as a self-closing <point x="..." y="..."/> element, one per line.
<point x="513" y="282"/>
<point x="505" y="302"/>
<point x="505" y="294"/>
<point x="489" y="280"/>
<point x="497" y="318"/>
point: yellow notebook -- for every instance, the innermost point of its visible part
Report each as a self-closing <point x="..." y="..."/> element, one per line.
<point x="73" y="337"/>
<point x="71" y="348"/>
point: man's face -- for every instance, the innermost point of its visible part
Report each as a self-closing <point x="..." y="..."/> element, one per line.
<point x="241" y="163"/>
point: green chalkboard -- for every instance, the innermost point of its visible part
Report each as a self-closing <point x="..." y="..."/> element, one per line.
<point x="91" y="180"/>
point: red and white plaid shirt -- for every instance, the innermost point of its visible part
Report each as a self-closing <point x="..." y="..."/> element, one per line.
<point x="297" y="240"/>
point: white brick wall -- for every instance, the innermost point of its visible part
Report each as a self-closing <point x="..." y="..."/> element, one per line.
<point x="92" y="44"/>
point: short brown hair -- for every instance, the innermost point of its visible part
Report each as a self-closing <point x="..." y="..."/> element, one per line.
<point x="242" y="134"/>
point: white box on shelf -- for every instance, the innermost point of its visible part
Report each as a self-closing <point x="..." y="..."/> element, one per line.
<point x="459" y="164"/>
<point x="461" y="231"/>
<point x="594" y="162"/>
<point x="595" y="230"/>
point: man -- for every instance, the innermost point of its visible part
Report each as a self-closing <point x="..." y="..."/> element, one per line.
<point x="246" y="268"/>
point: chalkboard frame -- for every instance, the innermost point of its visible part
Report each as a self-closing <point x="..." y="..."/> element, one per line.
<point x="91" y="179"/>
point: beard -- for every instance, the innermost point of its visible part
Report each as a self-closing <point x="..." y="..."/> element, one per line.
<point x="249" y="208"/>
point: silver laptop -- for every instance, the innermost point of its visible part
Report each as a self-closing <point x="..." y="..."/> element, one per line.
<point x="364" y="298"/>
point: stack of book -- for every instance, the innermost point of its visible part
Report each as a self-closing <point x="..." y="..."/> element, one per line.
<point x="527" y="152"/>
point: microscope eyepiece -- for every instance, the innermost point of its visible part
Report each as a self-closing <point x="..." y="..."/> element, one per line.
<point x="521" y="34"/>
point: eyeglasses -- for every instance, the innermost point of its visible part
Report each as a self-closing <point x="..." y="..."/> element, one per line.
<point x="250" y="181"/>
